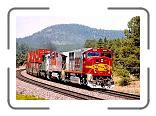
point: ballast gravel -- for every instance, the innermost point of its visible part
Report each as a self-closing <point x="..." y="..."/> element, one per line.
<point x="29" y="89"/>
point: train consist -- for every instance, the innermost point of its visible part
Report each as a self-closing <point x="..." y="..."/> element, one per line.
<point x="92" y="66"/>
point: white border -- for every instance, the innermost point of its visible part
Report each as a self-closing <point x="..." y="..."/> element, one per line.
<point x="65" y="104"/>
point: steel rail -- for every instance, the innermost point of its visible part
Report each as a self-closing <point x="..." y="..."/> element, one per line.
<point x="119" y="94"/>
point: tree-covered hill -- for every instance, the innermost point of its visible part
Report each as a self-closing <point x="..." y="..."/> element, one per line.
<point x="63" y="37"/>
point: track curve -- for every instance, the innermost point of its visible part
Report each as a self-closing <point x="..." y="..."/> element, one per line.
<point x="65" y="92"/>
<point x="114" y="93"/>
<point x="127" y="96"/>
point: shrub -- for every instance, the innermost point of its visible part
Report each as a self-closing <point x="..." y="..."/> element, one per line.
<point x="122" y="72"/>
<point x="124" y="81"/>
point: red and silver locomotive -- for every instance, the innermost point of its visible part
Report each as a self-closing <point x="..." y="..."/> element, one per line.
<point x="92" y="66"/>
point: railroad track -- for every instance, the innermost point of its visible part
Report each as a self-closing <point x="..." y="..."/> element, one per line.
<point x="127" y="96"/>
<point x="62" y="91"/>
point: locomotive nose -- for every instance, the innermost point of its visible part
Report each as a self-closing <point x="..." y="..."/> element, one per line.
<point x="101" y="66"/>
<point x="99" y="60"/>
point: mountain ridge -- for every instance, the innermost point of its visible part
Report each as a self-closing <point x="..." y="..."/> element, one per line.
<point x="67" y="34"/>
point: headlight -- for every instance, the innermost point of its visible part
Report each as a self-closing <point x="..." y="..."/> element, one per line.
<point x="89" y="77"/>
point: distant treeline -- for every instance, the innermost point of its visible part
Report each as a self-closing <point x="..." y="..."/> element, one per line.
<point x="21" y="54"/>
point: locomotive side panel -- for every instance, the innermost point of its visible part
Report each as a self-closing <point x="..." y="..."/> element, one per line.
<point x="55" y="62"/>
<point x="74" y="60"/>
<point x="66" y="66"/>
<point x="71" y="61"/>
<point x="78" y="60"/>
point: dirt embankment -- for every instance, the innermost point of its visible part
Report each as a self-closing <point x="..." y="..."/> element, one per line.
<point x="21" y="67"/>
<point x="133" y="88"/>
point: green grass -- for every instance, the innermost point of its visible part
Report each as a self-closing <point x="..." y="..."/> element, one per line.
<point x="28" y="97"/>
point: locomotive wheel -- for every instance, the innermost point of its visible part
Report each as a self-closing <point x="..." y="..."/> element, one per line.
<point x="59" y="77"/>
<point x="67" y="77"/>
<point x="45" y="75"/>
<point x="48" y="75"/>
<point x="109" y="84"/>
<point x="39" y="74"/>
<point x="83" y="81"/>
<point x="80" y="81"/>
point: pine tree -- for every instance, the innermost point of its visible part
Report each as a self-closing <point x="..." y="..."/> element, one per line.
<point x="133" y="34"/>
<point x="134" y="30"/>
<point x="100" y="43"/>
<point x="90" y="44"/>
<point x="105" y="42"/>
<point x="21" y="54"/>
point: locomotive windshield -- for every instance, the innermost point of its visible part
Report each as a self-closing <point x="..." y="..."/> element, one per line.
<point x="92" y="54"/>
<point x="109" y="55"/>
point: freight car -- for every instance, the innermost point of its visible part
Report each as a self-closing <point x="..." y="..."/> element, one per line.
<point x="93" y="67"/>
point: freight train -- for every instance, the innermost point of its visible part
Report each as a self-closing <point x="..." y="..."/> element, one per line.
<point x="92" y="66"/>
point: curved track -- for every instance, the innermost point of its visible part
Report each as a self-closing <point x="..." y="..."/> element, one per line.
<point x="126" y="96"/>
<point x="119" y="94"/>
<point x="55" y="89"/>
